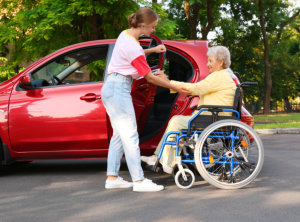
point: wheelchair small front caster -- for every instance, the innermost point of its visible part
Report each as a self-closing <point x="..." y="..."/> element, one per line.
<point x="183" y="183"/>
<point x="175" y="170"/>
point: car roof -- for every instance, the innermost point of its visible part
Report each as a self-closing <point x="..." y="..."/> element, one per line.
<point x="195" y="49"/>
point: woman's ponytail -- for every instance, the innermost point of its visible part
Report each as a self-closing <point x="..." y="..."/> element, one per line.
<point x="143" y="15"/>
<point x="132" y="20"/>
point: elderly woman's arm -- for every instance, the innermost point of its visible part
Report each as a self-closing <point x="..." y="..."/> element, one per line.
<point x="197" y="89"/>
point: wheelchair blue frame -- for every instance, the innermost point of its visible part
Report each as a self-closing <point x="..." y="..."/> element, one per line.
<point x="190" y="158"/>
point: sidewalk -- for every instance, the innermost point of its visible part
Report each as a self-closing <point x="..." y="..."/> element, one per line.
<point x="279" y="131"/>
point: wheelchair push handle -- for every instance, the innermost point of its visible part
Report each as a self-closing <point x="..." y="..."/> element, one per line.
<point x="246" y="84"/>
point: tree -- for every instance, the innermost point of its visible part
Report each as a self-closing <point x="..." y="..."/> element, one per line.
<point x="286" y="67"/>
<point x="31" y="29"/>
<point x="166" y="27"/>
<point x="200" y="15"/>
<point x="271" y="29"/>
<point x="250" y="29"/>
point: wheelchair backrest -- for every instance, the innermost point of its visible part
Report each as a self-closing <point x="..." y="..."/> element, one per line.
<point x="202" y="121"/>
<point x="238" y="98"/>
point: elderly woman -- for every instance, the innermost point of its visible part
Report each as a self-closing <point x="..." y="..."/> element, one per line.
<point x="218" y="88"/>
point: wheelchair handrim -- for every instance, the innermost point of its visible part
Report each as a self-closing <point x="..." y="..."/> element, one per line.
<point x="200" y="144"/>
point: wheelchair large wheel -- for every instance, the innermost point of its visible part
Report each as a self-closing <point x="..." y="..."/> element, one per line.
<point x="229" y="154"/>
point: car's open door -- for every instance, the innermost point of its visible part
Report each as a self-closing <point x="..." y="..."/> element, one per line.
<point x="143" y="93"/>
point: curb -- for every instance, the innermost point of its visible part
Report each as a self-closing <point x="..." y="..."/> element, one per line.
<point x="278" y="131"/>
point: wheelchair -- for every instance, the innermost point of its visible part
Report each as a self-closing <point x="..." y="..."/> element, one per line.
<point x="226" y="152"/>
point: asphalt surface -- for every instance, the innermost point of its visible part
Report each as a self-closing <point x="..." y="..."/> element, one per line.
<point x="64" y="191"/>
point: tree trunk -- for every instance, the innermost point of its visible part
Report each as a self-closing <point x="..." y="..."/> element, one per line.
<point x="206" y="29"/>
<point x="268" y="76"/>
<point x="288" y="106"/>
<point x="95" y="21"/>
<point x="191" y="14"/>
<point x="96" y="31"/>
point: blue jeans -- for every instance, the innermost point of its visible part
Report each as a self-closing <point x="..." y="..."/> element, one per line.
<point x="117" y="100"/>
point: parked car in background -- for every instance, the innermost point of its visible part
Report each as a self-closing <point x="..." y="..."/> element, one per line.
<point x="53" y="108"/>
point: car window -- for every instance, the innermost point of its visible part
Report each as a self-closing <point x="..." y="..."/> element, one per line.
<point x="177" y="67"/>
<point x="92" y="72"/>
<point x="154" y="58"/>
<point x="80" y="66"/>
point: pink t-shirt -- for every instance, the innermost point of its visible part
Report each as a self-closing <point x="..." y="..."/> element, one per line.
<point x="128" y="57"/>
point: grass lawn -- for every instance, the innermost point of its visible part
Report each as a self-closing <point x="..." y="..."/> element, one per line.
<point x="283" y="120"/>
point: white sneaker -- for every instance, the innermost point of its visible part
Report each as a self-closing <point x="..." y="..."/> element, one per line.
<point x="117" y="183"/>
<point x="150" y="160"/>
<point x="146" y="186"/>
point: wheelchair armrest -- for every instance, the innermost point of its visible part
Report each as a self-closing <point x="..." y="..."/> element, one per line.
<point x="194" y="107"/>
<point x="214" y="107"/>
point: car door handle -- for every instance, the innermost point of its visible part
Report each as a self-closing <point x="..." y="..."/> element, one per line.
<point x="144" y="86"/>
<point x="90" y="96"/>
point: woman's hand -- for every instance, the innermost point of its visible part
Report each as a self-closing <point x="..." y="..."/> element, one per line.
<point x="160" y="81"/>
<point x="160" y="49"/>
<point x="156" y="49"/>
<point x="161" y="74"/>
<point x="182" y="90"/>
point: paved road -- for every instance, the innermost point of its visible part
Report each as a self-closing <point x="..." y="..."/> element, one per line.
<point x="64" y="191"/>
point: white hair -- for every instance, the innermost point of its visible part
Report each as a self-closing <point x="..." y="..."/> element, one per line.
<point x="220" y="53"/>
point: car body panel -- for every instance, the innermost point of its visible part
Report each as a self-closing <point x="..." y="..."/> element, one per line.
<point x="5" y="91"/>
<point x="57" y="119"/>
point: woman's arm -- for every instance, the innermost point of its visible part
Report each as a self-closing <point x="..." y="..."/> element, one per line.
<point x="197" y="89"/>
<point x="156" y="80"/>
<point x="192" y="87"/>
<point x="157" y="49"/>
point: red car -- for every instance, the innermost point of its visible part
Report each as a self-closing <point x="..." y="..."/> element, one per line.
<point x="53" y="109"/>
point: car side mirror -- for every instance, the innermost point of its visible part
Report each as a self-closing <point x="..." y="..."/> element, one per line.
<point x="25" y="82"/>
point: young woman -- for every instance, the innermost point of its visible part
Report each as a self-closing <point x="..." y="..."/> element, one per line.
<point x="128" y="62"/>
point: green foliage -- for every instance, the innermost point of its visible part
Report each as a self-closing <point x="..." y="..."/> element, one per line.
<point x="284" y="120"/>
<point x="34" y="28"/>
<point x="286" y="67"/>
<point x="246" y="53"/>
<point x="30" y="29"/>
<point x="277" y="125"/>
<point x="166" y="28"/>
<point x="240" y="32"/>
<point x="177" y="14"/>
<point x="96" y="69"/>
<point x="6" y="71"/>
<point x="283" y="117"/>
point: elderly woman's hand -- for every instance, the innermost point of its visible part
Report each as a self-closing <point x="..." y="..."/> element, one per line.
<point x="182" y="90"/>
